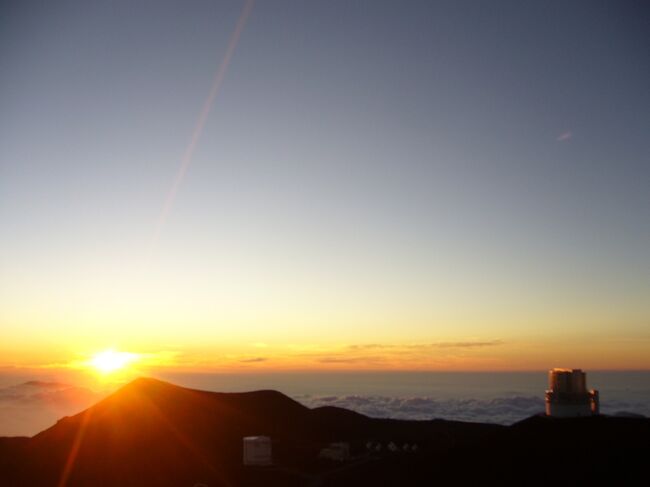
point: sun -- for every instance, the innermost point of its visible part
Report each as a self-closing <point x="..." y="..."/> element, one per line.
<point x="112" y="360"/>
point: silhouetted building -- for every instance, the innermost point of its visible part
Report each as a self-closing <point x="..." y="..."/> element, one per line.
<point x="257" y="451"/>
<point x="568" y="395"/>
<point x="339" y="452"/>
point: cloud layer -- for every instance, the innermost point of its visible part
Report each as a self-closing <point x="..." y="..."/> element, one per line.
<point x="501" y="410"/>
<point x="30" y="407"/>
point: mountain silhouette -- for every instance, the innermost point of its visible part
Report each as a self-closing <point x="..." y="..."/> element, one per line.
<point x="157" y="434"/>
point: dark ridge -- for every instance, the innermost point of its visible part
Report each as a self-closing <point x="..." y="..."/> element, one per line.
<point x="628" y="414"/>
<point x="335" y="413"/>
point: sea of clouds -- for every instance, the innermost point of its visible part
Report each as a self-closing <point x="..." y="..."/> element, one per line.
<point x="501" y="410"/>
<point x="30" y="407"/>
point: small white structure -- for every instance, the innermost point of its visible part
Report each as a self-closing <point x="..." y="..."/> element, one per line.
<point x="568" y="396"/>
<point x="257" y="451"/>
<point x="339" y="452"/>
<point x="392" y="447"/>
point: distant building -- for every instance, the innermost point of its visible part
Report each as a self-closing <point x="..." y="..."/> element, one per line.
<point x="339" y="452"/>
<point x="568" y="395"/>
<point x="257" y="451"/>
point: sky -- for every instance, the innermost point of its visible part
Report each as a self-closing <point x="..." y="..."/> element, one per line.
<point x="229" y="185"/>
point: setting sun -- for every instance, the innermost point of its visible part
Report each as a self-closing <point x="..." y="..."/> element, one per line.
<point x="111" y="360"/>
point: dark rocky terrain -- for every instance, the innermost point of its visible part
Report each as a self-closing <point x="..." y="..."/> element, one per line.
<point x="151" y="433"/>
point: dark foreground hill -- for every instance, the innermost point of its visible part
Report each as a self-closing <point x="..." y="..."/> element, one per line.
<point x="151" y="433"/>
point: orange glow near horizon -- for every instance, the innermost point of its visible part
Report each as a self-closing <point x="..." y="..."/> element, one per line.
<point x="111" y="359"/>
<point x="119" y="364"/>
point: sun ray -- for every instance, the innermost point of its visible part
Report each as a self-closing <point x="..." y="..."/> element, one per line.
<point x="74" y="449"/>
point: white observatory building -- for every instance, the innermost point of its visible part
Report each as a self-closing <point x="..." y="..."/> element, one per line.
<point x="257" y="451"/>
<point x="568" y="396"/>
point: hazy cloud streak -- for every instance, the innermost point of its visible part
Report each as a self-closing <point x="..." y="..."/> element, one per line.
<point x="424" y="346"/>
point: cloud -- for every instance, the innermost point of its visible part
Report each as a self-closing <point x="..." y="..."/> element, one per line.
<point x="426" y="346"/>
<point x="369" y="346"/>
<point x="30" y="407"/>
<point x="564" y="136"/>
<point x="401" y="355"/>
<point x="490" y="343"/>
<point x="502" y="410"/>
<point x="254" y="360"/>
<point x="348" y="360"/>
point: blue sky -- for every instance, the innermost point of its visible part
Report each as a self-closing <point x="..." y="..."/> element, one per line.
<point x="418" y="170"/>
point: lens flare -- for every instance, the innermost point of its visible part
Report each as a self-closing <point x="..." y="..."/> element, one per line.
<point x="203" y="116"/>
